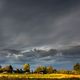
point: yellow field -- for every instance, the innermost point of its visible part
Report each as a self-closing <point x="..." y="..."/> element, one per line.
<point x="40" y="76"/>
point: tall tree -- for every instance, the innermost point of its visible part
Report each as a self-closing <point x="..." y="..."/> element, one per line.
<point x="76" y="67"/>
<point x="26" y="67"/>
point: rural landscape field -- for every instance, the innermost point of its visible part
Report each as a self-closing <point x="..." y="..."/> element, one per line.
<point x="40" y="73"/>
<point x="39" y="39"/>
<point x="39" y="77"/>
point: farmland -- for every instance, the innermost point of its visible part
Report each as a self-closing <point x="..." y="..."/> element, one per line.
<point x="39" y="77"/>
<point x="40" y="73"/>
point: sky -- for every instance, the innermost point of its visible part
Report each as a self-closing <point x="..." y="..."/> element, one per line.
<point x="41" y="24"/>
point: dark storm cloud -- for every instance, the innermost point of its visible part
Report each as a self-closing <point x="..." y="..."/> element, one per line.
<point x="38" y="23"/>
<point x="26" y="24"/>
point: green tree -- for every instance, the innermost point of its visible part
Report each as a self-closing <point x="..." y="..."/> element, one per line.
<point x="76" y="67"/>
<point x="8" y="69"/>
<point x="26" y="67"/>
<point x="1" y="70"/>
<point x="21" y="71"/>
<point x="62" y="71"/>
<point x="49" y="69"/>
<point x="17" y="70"/>
<point x="0" y="66"/>
<point x="40" y="69"/>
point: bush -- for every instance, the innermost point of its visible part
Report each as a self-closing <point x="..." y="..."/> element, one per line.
<point x="40" y="69"/>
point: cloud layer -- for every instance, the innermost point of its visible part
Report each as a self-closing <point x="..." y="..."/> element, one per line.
<point x="42" y="24"/>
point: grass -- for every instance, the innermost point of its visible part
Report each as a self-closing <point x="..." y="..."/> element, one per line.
<point x="39" y="76"/>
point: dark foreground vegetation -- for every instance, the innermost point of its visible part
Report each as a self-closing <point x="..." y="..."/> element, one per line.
<point x="3" y="78"/>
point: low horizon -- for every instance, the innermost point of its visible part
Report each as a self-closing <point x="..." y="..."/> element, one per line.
<point x="52" y="26"/>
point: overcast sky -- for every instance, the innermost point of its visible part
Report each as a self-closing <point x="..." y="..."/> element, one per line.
<point x="31" y="23"/>
<point x="27" y="24"/>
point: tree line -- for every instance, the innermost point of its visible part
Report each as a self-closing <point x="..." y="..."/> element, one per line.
<point x="40" y="69"/>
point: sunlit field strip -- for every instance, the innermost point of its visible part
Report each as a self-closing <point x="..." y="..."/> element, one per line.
<point x="40" y="76"/>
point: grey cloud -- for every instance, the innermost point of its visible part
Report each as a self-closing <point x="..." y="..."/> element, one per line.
<point x="29" y="24"/>
<point x="38" y="56"/>
<point x="41" y="57"/>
